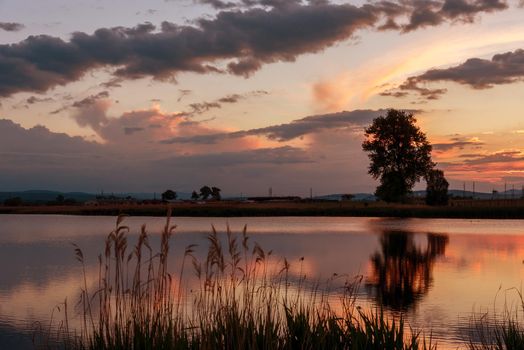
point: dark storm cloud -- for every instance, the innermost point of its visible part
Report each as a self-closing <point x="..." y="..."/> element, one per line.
<point x="222" y="5"/>
<point x="420" y="13"/>
<point x="241" y="40"/>
<point x="477" y="73"/>
<point x="11" y="26"/>
<point x="426" y="13"/>
<point x="218" y="4"/>
<point x="292" y="130"/>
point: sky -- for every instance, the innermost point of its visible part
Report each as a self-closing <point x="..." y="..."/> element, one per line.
<point x="247" y="95"/>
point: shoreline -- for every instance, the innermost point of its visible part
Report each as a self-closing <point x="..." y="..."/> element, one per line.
<point x="513" y="209"/>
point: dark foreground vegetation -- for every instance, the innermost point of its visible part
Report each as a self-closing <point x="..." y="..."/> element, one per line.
<point x="468" y="209"/>
<point x="239" y="297"/>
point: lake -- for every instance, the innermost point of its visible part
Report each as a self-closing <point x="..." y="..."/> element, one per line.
<point x="435" y="272"/>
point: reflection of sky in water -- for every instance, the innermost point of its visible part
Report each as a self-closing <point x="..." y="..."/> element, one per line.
<point x="38" y="269"/>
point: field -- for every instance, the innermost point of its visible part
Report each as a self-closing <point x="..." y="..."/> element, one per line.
<point x="471" y="209"/>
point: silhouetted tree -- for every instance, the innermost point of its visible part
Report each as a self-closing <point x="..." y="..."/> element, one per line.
<point x="400" y="154"/>
<point x="60" y="199"/>
<point x="347" y="197"/>
<point x="215" y="193"/>
<point x="437" y="188"/>
<point x="194" y="196"/>
<point x="169" y="195"/>
<point x="205" y="192"/>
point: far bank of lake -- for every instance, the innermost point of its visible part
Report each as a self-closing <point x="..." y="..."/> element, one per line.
<point x="460" y="209"/>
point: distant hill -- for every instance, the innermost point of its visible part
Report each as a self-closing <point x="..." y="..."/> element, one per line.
<point x="44" y="196"/>
<point x="421" y="194"/>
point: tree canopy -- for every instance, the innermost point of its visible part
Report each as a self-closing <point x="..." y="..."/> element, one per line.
<point x="215" y="193"/>
<point x="205" y="192"/>
<point x="169" y="195"/>
<point x="399" y="152"/>
<point x="195" y="195"/>
<point x="437" y="188"/>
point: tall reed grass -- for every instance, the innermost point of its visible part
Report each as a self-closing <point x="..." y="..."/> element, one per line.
<point x="239" y="299"/>
<point x="499" y="330"/>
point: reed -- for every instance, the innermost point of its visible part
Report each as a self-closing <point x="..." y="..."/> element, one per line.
<point x="499" y="331"/>
<point x="241" y="298"/>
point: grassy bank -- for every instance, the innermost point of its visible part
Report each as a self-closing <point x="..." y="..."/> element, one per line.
<point x="510" y="209"/>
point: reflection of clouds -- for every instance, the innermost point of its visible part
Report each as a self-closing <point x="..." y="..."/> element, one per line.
<point x="486" y="253"/>
<point x="31" y="302"/>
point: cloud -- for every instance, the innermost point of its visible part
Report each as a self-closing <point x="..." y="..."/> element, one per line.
<point x="275" y="156"/>
<point x="11" y="26"/>
<point x="33" y="99"/>
<point x="112" y="83"/>
<point x="235" y="41"/>
<point x="288" y="131"/>
<point x="477" y="73"/>
<point x="183" y="93"/>
<point x="91" y="113"/>
<point x="457" y="143"/>
<point x="432" y="13"/>
<point x="72" y="163"/>
<point x="496" y="157"/>
<point x="140" y="131"/>
<point x="219" y="4"/>
<point x="203" y="107"/>
<point x="412" y="84"/>
<point x="88" y="101"/>
<point x="39" y="140"/>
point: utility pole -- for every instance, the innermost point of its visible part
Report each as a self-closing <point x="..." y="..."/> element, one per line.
<point x="473" y="189"/>
<point x="505" y="189"/>
<point x="270" y="192"/>
<point x="464" y="190"/>
<point x="311" y="193"/>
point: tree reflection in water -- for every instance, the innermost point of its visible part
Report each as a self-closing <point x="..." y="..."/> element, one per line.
<point x="402" y="272"/>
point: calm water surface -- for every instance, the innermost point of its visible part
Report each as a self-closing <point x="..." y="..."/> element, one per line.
<point x="434" y="271"/>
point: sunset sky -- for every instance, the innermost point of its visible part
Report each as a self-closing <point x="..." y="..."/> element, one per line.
<point x="136" y="96"/>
